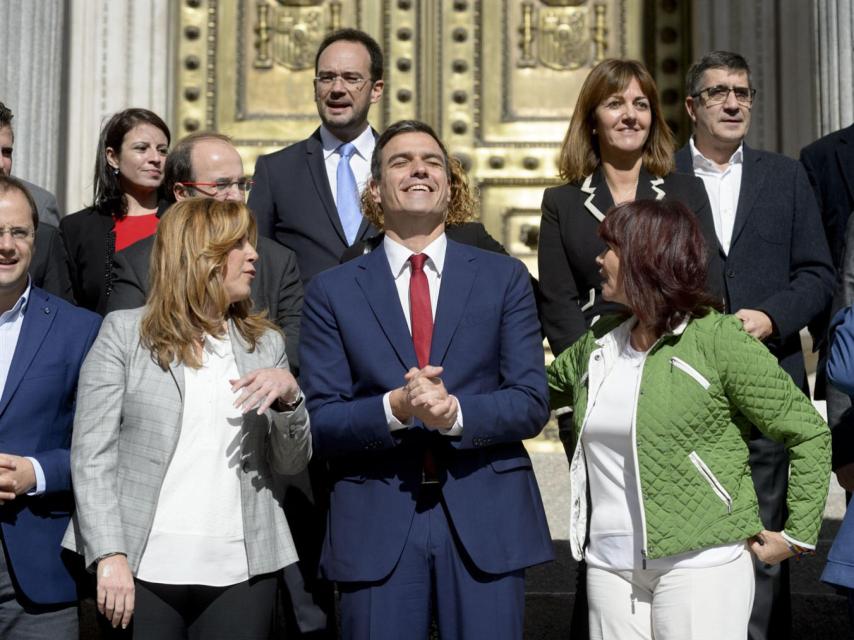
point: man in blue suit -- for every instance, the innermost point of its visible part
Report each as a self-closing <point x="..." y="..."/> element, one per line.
<point x="43" y="341"/>
<point x="423" y="372"/>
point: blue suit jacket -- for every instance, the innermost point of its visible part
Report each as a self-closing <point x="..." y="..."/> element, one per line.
<point x="356" y="346"/>
<point x="36" y="414"/>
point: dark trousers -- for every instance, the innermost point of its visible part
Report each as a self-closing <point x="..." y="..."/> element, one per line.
<point x="434" y="574"/>
<point x="243" y="611"/>
<point x="772" y="607"/>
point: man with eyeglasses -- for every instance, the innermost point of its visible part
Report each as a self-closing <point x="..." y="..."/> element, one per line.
<point x="778" y="275"/>
<point x="207" y="165"/>
<point x="43" y="341"/>
<point x="306" y="196"/>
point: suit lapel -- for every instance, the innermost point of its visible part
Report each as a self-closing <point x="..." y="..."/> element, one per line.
<point x="752" y="176"/>
<point x="38" y="319"/>
<point x="845" y="157"/>
<point x="458" y="275"/>
<point x="377" y="284"/>
<point x="650" y="187"/>
<point x="317" y="168"/>
<point x="598" y="197"/>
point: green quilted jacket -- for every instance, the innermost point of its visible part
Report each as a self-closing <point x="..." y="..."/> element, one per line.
<point x="701" y="388"/>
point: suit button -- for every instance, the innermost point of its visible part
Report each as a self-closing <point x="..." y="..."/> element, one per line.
<point x="245" y="466"/>
<point x="730" y="274"/>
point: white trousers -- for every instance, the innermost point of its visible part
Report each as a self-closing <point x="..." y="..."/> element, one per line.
<point x="711" y="603"/>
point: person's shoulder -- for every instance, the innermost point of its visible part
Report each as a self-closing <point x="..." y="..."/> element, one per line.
<point x="676" y="181"/>
<point x="275" y="251"/>
<point x="74" y="222"/>
<point x="46" y="303"/>
<point x="828" y="142"/>
<point x="565" y="190"/>
<point x="290" y="153"/>
<point x="494" y="263"/>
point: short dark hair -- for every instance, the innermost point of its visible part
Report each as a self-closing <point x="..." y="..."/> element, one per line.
<point x="109" y="197"/>
<point x="354" y="35"/>
<point x="179" y="162"/>
<point x="8" y="183"/>
<point x="6" y="116"/>
<point x="662" y="261"/>
<point x="463" y="204"/>
<point x="714" y="60"/>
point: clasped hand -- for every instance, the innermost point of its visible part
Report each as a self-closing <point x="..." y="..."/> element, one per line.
<point x="770" y="547"/>
<point x="17" y="476"/>
<point x="259" y="389"/>
<point x="425" y="397"/>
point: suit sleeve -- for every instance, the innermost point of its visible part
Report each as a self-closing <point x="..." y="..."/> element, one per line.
<point x="340" y="424"/>
<point x="95" y="442"/>
<point x="562" y="318"/>
<point x="754" y="382"/>
<point x="51" y="210"/>
<point x="289" y="308"/>
<point x="55" y="463"/>
<point x="518" y="409"/>
<point x="127" y="287"/>
<point x="261" y="201"/>
<point x="55" y="278"/>
<point x="812" y="276"/>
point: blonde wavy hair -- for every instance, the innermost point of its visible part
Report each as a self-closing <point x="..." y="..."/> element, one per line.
<point x="187" y="298"/>
<point x="579" y="154"/>
<point x="464" y="204"/>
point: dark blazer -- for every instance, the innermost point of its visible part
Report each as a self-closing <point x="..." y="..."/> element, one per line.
<point x="570" y="284"/>
<point x="90" y="243"/>
<point x="356" y="346"/>
<point x="45" y="201"/>
<point x="473" y="234"/>
<point x="36" y="414"/>
<point x="276" y="286"/>
<point x="829" y="163"/>
<point x="293" y="205"/>
<point x="49" y="267"/>
<point x="778" y="261"/>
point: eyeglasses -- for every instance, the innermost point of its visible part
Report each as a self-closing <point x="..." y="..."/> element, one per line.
<point x="719" y="94"/>
<point x="351" y="80"/>
<point x="18" y="234"/>
<point x="222" y="186"/>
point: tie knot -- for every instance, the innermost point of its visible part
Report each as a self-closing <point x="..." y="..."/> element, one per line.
<point x="346" y="150"/>
<point x="418" y="260"/>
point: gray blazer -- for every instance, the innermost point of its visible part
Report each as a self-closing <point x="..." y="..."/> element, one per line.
<point x="126" y="429"/>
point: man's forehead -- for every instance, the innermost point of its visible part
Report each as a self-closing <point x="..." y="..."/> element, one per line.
<point x="6" y="136"/>
<point x="344" y="55"/>
<point x="719" y="75"/>
<point x="412" y="143"/>
<point x="14" y="208"/>
<point x="212" y="159"/>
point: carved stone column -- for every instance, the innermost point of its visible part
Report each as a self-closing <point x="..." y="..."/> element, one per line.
<point x="31" y="48"/>
<point x="777" y="37"/>
<point x="835" y="35"/>
<point x="122" y="56"/>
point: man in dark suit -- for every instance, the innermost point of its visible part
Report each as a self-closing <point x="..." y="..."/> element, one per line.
<point x="45" y="340"/>
<point x="423" y="372"/>
<point x="49" y="267"/>
<point x="208" y="165"/>
<point x="306" y="196"/>
<point x="778" y="275"/>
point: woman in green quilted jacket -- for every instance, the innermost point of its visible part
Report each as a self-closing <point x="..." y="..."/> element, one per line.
<point x="662" y="502"/>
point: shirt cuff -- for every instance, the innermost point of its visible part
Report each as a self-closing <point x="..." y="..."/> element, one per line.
<point x="40" y="481"/>
<point x="457" y="428"/>
<point x="393" y="423"/>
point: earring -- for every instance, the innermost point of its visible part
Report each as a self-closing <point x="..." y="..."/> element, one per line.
<point x="115" y="171"/>
<point x="594" y="132"/>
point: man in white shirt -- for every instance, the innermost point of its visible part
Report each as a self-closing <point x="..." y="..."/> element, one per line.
<point x="778" y="274"/>
<point x="423" y="372"/>
<point x="306" y="196"/>
<point x="43" y="341"/>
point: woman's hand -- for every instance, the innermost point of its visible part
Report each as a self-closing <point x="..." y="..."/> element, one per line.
<point x="115" y="590"/>
<point x="262" y="387"/>
<point x="770" y="547"/>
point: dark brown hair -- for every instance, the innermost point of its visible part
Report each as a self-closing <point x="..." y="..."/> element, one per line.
<point x="662" y="261"/>
<point x="179" y="165"/>
<point x="9" y="184"/>
<point x="579" y="154"/>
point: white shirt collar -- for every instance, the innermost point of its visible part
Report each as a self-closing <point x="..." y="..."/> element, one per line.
<point x="20" y="307"/>
<point x="364" y="142"/>
<point x="398" y="255"/>
<point x="220" y="347"/>
<point x="702" y="162"/>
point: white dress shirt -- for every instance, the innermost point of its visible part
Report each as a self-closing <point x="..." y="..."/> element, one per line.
<point x="360" y="162"/>
<point x="197" y="534"/>
<point x="11" y="322"/>
<point x="723" y="187"/>
<point x="401" y="269"/>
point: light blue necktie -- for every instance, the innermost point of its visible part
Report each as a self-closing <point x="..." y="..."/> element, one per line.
<point x="348" y="194"/>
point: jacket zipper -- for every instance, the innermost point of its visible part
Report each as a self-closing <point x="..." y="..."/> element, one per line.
<point x="637" y="465"/>
<point x="710" y="477"/>
<point x="691" y="371"/>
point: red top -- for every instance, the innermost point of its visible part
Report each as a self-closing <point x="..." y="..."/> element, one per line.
<point x="132" y="229"/>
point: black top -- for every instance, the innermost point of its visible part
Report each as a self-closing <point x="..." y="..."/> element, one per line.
<point x="570" y="284"/>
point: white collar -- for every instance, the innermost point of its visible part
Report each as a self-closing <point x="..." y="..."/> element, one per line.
<point x="701" y="161"/>
<point x="364" y="142"/>
<point x="398" y="255"/>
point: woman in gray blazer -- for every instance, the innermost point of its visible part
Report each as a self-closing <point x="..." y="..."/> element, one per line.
<point x="187" y="419"/>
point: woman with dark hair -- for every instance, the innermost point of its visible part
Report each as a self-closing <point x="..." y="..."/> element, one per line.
<point x="128" y="175"/>
<point x="187" y="421"/>
<point x="618" y="148"/>
<point x="663" y="395"/>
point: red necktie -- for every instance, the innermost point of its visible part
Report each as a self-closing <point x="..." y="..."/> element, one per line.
<point x="420" y="311"/>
